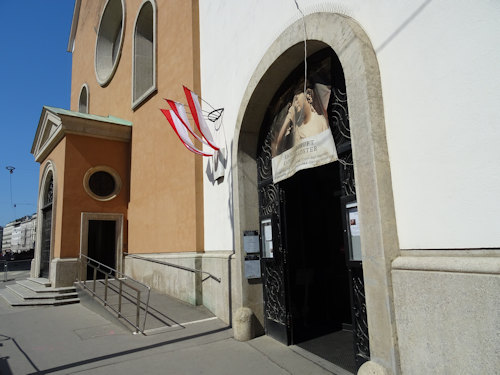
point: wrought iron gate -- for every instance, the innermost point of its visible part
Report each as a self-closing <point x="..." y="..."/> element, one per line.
<point x="274" y="275"/>
<point x="275" y="272"/>
<point x="339" y="123"/>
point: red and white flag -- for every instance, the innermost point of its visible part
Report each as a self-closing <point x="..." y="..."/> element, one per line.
<point x="194" y="106"/>
<point x="180" y="111"/>
<point x="180" y="129"/>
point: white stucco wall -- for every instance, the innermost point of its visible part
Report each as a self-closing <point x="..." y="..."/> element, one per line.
<point x="439" y="69"/>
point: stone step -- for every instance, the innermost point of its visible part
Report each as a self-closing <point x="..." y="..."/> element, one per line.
<point x="40" y="280"/>
<point x="39" y="288"/>
<point x="27" y="293"/>
<point x="15" y="300"/>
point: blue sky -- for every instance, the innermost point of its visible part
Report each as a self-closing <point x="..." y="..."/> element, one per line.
<point x="35" y="71"/>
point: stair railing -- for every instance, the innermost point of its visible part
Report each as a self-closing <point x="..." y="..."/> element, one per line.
<point x="123" y="280"/>
<point x="173" y="265"/>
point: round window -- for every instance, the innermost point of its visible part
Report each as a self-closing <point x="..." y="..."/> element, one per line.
<point x="109" y="40"/>
<point x="102" y="183"/>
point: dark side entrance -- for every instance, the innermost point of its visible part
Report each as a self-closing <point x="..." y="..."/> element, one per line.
<point x="101" y="245"/>
<point x="312" y="280"/>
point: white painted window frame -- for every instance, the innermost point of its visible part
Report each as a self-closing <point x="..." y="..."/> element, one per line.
<point x="142" y="97"/>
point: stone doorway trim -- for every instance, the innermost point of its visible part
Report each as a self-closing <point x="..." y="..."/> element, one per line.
<point x="371" y="166"/>
<point x="84" y="233"/>
<point x="49" y="171"/>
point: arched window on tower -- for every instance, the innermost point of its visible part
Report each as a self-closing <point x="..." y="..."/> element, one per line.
<point x="144" y="54"/>
<point x="83" y="101"/>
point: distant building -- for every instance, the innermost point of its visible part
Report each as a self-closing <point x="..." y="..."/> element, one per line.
<point x="23" y="235"/>
<point x="19" y="237"/>
<point x="1" y="238"/>
<point x="7" y="234"/>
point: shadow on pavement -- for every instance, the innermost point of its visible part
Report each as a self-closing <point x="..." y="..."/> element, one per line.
<point x="124" y="353"/>
<point x="4" y="365"/>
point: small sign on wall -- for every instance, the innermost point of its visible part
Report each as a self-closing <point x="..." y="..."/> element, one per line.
<point x="251" y="245"/>
<point x="252" y="267"/>
<point x="251" y="241"/>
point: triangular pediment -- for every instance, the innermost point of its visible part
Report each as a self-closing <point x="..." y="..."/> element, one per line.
<point x="48" y="133"/>
<point x="55" y="123"/>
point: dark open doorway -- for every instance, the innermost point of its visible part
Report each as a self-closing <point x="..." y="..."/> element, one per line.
<point x="318" y="275"/>
<point x="319" y="291"/>
<point x="101" y="245"/>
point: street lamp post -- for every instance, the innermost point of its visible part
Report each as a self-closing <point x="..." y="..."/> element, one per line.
<point x="10" y="168"/>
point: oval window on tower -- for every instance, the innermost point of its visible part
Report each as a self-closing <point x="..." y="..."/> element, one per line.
<point x="109" y="40"/>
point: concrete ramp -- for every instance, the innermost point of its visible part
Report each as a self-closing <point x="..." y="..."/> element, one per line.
<point x="164" y="313"/>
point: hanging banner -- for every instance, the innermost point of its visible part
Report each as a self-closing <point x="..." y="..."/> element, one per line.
<point x="301" y="136"/>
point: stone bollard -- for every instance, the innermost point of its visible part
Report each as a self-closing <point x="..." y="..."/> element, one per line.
<point x="242" y="324"/>
<point x="372" y="368"/>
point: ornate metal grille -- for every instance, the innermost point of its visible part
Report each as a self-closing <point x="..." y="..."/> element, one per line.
<point x="339" y="117"/>
<point x="49" y="195"/>
<point x="273" y="271"/>
<point x="273" y="282"/>
<point x="347" y="175"/>
<point x="360" y="322"/>
<point x="264" y="163"/>
<point x="269" y="200"/>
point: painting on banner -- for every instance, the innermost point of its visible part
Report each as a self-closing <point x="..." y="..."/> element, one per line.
<point x="301" y="135"/>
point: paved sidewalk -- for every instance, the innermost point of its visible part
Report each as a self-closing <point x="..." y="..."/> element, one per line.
<point x="72" y="339"/>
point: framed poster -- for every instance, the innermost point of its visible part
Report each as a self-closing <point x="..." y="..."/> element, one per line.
<point x="267" y="238"/>
<point x="353" y="232"/>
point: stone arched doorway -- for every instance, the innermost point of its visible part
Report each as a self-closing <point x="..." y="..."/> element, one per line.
<point x="312" y="276"/>
<point x="45" y="223"/>
<point x="371" y="165"/>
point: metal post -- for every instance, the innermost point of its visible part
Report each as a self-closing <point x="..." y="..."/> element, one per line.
<point x="79" y="269"/>
<point x="146" y="310"/>
<point x="95" y="277"/>
<point x="120" y="298"/>
<point x="105" y="289"/>
<point x="138" y="311"/>
<point x="5" y="269"/>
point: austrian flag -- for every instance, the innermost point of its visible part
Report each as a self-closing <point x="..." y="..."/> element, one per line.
<point x="177" y="118"/>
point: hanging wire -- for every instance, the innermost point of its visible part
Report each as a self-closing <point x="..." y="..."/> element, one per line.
<point x="212" y="115"/>
<point x="187" y="106"/>
<point x="215" y="113"/>
<point x="305" y="46"/>
<point x="207" y="103"/>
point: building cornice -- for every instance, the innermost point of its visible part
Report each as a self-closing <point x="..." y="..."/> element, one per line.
<point x="74" y="26"/>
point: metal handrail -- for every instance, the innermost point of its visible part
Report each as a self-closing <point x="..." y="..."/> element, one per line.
<point x="173" y="265"/>
<point x="121" y="277"/>
<point x="5" y="267"/>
